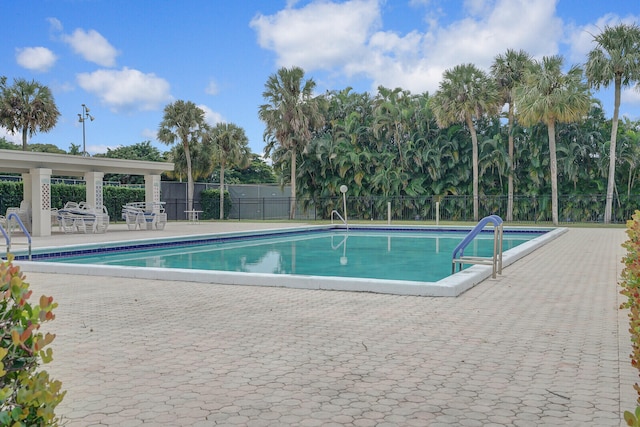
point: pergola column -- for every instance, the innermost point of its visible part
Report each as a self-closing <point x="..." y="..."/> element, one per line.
<point x="94" y="188"/>
<point x="26" y="187"/>
<point x="40" y="190"/>
<point x="151" y="188"/>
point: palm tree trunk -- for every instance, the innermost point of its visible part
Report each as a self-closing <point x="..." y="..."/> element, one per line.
<point x="24" y="139"/>
<point x="512" y="168"/>
<point x="222" y="190"/>
<point x="292" y="208"/>
<point x="612" y="151"/>
<point x="551" y="128"/>
<point x="474" y="159"/>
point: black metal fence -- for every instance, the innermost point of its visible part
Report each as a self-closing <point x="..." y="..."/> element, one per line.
<point x="526" y="209"/>
<point x="270" y="202"/>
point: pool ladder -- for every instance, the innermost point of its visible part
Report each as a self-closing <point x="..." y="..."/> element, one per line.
<point x="335" y="213"/>
<point x="495" y="261"/>
<point x="7" y="236"/>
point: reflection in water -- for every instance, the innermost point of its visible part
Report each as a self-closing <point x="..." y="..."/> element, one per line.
<point x="343" y="259"/>
<point x="271" y="262"/>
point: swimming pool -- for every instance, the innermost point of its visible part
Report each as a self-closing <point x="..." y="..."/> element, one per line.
<point x="412" y="260"/>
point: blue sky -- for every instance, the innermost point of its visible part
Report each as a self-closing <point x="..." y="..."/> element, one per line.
<point x="127" y="59"/>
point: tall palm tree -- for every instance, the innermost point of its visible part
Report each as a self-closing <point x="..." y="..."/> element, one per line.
<point x="465" y="93"/>
<point x="616" y="58"/>
<point x="183" y="121"/>
<point x="508" y="70"/>
<point x="391" y="110"/>
<point x="549" y="96"/>
<point x="27" y="107"/>
<point x="291" y="114"/>
<point x="230" y="147"/>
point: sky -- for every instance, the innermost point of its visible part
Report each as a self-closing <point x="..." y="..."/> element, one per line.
<point x="126" y="60"/>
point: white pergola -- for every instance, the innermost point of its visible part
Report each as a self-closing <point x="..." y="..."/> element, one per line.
<point x="37" y="169"/>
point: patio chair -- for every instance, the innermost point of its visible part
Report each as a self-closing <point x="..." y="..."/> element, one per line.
<point x="133" y="216"/>
<point x="66" y="222"/>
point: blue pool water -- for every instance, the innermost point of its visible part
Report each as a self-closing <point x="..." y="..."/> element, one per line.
<point x="408" y="255"/>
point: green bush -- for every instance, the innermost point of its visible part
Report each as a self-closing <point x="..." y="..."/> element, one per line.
<point x="63" y="193"/>
<point x="115" y="197"/>
<point x="210" y="200"/>
<point x="28" y="397"/>
<point x="11" y="194"/>
<point x="631" y="289"/>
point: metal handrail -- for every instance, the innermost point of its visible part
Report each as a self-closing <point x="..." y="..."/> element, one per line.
<point x="335" y="212"/>
<point x="7" y="237"/>
<point x="496" y="261"/>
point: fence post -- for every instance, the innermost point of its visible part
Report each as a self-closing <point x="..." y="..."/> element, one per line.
<point x="437" y="213"/>
<point x="388" y="212"/>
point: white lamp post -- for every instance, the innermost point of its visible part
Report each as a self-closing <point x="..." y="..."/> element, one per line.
<point x="343" y="190"/>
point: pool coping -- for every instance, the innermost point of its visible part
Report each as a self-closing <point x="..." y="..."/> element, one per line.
<point x="451" y="286"/>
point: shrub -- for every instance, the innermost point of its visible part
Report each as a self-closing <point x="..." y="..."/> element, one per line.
<point x="631" y="289"/>
<point x="210" y="200"/>
<point x="28" y="397"/>
<point x="11" y="194"/>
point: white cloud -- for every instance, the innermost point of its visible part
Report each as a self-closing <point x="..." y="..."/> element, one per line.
<point x="212" y="88"/>
<point x="95" y="149"/>
<point x="36" y="58"/>
<point x="149" y="133"/>
<point x="580" y="38"/>
<point x="630" y="96"/>
<point x="347" y="37"/>
<point x="335" y="31"/>
<point x="92" y="46"/>
<point x="126" y="89"/>
<point x="54" y="24"/>
<point x="210" y="116"/>
<point x="15" y="138"/>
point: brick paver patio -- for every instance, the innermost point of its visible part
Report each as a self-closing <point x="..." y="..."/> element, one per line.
<point x="544" y="344"/>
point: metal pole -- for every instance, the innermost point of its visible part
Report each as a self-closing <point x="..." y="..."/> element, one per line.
<point x="344" y="206"/>
<point x="84" y="138"/>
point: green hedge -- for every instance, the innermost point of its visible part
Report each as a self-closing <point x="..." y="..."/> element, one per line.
<point x="210" y="200"/>
<point x="113" y="197"/>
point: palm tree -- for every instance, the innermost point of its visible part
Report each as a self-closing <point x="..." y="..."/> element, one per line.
<point x="616" y="58"/>
<point x="230" y="149"/>
<point x="391" y="110"/>
<point x="465" y="93"/>
<point x="291" y="114"/>
<point x="183" y="121"/>
<point x="27" y="107"/>
<point x="201" y="162"/>
<point x="508" y="71"/>
<point x="549" y="96"/>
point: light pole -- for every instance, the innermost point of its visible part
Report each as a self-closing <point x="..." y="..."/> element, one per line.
<point x="83" y="118"/>
<point x="343" y="190"/>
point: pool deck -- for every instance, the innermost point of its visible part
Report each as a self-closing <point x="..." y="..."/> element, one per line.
<point x="543" y="344"/>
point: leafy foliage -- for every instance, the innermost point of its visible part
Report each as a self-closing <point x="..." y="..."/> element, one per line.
<point x="184" y="122"/>
<point x="291" y="114"/>
<point x="28" y="396"/>
<point x="210" y="201"/>
<point x="616" y="58"/>
<point x="113" y="197"/>
<point x="140" y="151"/>
<point x="26" y="107"/>
<point x="258" y="172"/>
<point x="631" y="289"/>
